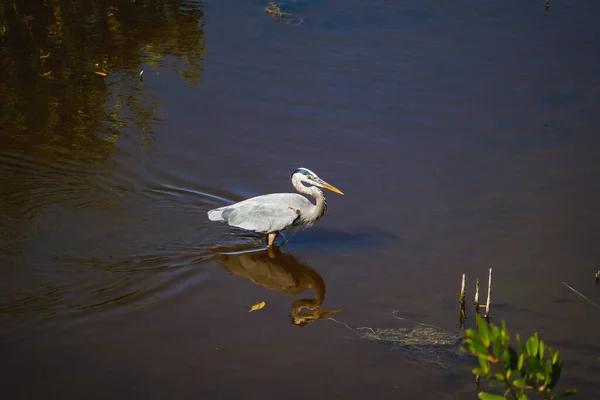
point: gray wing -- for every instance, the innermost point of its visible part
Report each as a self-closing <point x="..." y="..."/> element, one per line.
<point x="267" y="213"/>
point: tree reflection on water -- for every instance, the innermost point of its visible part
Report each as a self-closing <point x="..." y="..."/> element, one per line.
<point x="50" y="93"/>
<point x="70" y="89"/>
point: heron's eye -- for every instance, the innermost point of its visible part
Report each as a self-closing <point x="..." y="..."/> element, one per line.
<point x="308" y="177"/>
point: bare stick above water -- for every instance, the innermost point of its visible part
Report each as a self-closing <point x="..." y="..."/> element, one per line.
<point x="476" y="302"/>
<point x="489" y="297"/>
<point x="462" y="313"/>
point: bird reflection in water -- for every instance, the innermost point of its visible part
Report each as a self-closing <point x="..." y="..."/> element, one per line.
<point x="281" y="272"/>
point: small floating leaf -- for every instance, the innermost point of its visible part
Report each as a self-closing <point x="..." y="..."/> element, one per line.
<point x="44" y="56"/>
<point x="100" y="73"/>
<point x="257" y="306"/>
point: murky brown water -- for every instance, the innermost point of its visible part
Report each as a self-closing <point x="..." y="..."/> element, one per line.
<point x="463" y="134"/>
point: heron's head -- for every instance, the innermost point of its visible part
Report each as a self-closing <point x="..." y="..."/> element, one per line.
<point x="307" y="176"/>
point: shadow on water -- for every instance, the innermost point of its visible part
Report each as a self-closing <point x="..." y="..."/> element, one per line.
<point x="314" y="237"/>
<point x="338" y="238"/>
<point x="281" y="272"/>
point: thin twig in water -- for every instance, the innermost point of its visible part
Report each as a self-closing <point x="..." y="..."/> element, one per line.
<point x="476" y="301"/>
<point x="349" y="327"/>
<point x="582" y="295"/>
<point x="489" y="297"/>
<point x="461" y="301"/>
<point x="395" y="315"/>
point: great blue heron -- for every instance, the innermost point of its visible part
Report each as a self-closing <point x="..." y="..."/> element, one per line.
<point x="275" y="212"/>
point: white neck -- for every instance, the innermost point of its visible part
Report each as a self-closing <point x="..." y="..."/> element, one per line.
<point x="321" y="204"/>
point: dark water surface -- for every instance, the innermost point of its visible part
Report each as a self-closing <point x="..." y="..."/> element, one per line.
<point x="465" y="136"/>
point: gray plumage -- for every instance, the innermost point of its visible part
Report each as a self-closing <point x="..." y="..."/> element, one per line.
<point x="265" y="214"/>
<point x="272" y="213"/>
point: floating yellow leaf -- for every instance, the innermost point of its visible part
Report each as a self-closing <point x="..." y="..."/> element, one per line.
<point x="101" y="73"/>
<point x="257" y="306"/>
<point x="47" y="73"/>
<point x="45" y="56"/>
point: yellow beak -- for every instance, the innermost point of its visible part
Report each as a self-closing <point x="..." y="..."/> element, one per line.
<point x="332" y="188"/>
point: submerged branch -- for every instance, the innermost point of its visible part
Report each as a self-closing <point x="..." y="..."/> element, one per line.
<point x="274" y="9"/>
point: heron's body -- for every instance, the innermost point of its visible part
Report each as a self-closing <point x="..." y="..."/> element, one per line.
<point x="273" y="213"/>
<point x="265" y="214"/>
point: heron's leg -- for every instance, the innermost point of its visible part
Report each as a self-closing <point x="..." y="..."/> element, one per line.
<point x="272" y="237"/>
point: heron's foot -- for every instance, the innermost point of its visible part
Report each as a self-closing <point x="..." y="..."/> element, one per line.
<point x="271" y="238"/>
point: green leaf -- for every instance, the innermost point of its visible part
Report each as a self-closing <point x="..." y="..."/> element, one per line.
<point x="505" y="334"/>
<point x="519" y="343"/>
<point x="521" y="396"/>
<point x="467" y="346"/>
<point x="541" y="350"/>
<point x="494" y="330"/>
<point x="478" y="348"/>
<point x="479" y="372"/>
<point x="485" y="366"/>
<point x="548" y="380"/>
<point x="540" y="376"/>
<point x="498" y="347"/>
<point x="474" y="345"/>
<point x="520" y="383"/>
<point x="532" y="345"/>
<point x="509" y="359"/>
<point x="490" y="396"/>
<point x="473" y="338"/>
<point x="554" y="375"/>
<point x="471" y="334"/>
<point x="484" y="331"/>
<point x="555" y="359"/>
<point x="534" y="365"/>
<point x="520" y="362"/>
